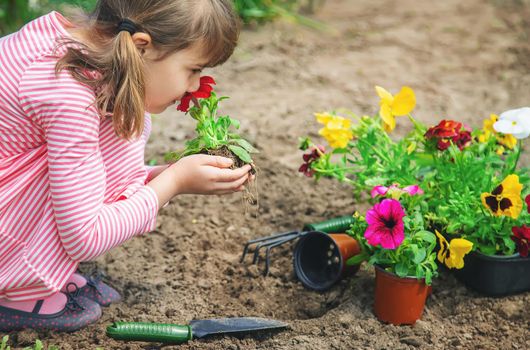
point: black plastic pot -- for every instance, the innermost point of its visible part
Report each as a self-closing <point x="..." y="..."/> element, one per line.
<point x="495" y="276"/>
<point x="319" y="259"/>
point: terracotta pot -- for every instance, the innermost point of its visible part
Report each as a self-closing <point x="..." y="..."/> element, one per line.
<point x="319" y="259"/>
<point x="495" y="275"/>
<point x="399" y="300"/>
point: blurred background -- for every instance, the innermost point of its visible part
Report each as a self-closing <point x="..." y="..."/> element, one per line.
<point x="15" y="13"/>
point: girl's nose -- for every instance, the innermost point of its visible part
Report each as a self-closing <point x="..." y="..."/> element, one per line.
<point x="195" y="84"/>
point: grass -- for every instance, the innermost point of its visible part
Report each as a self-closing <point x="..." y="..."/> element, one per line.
<point x="38" y="345"/>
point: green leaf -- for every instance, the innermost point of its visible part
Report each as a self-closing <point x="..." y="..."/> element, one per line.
<point x="245" y="145"/>
<point x="428" y="277"/>
<point x="304" y="143"/>
<point x="419" y="271"/>
<point x="3" y="345"/>
<point x="401" y="269"/>
<point x="425" y="236"/>
<point x="222" y="122"/>
<point x="487" y="249"/>
<point x="357" y="259"/>
<point x="234" y="122"/>
<point x="241" y="153"/>
<point x="420" y="255"/>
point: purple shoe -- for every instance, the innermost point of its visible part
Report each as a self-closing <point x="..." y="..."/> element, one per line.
<point x="98" y="291"/>
<point x="78" y="312"/>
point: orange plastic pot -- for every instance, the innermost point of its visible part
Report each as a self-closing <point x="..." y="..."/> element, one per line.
<point x="319" y="259"/>
<point x="399" y="300"/>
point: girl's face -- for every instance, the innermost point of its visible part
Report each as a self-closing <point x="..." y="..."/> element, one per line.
<point x="168" y="80"/>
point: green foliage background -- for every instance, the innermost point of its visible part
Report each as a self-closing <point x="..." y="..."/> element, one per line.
<point x="15" y="13"/>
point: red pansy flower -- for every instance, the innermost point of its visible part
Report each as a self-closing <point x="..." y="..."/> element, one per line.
<point x="313" y="155"/>
<point x="527" y="200"/>
<point x="463" y="139"/>
<point x="444" y="129"/>
<point x="521" y="237"/>
<point x="447" y="132"/>
<point x="204" y="91"/>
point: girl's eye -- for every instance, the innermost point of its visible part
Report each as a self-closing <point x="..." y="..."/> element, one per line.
<point x="196" y="71"/>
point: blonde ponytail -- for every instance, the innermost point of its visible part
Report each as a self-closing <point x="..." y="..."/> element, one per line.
<point x="119" y="79"/>
<point x="128" y="85"/>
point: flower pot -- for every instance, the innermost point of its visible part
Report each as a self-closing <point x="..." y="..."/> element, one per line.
<point x="399" y="300"/>
<point x="319" y="259"/>
<point x="495" y="275"/>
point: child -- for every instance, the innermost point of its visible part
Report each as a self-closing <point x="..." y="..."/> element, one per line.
<point x="73" y="128"/>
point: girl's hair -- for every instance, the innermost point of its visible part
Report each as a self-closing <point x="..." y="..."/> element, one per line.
<point x="172" y="24"/>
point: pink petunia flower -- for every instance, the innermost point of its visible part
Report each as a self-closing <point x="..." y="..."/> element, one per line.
<point x="394" y="191"/>
<point x="385" y="224"/>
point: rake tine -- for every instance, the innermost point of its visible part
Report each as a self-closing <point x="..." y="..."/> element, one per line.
<point x="247" y="245"/>
<point x="280" y="240"/>
<point x="269" y="248"/>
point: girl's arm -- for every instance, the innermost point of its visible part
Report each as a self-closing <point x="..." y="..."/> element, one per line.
<point x="154" y="171"/>
<point x="64" y="109"/>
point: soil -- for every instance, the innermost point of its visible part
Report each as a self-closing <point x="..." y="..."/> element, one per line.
<point x="464" y="59"/>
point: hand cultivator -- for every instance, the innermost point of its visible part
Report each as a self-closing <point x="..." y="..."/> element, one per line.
<point x="317" y="244"/>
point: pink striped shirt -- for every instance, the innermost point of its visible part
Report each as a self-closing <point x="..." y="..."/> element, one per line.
<point x="70" y="189"/>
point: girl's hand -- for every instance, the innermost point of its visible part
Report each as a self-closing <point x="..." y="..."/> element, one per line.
<point x="204" y="174"/>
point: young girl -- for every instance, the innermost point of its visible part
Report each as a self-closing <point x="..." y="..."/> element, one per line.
<point x="73" y="128"/>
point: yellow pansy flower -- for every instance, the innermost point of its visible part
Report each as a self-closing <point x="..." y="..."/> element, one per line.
<point x="337" y="130"/>
<point x="506" y="140"/>
<point x="452" y="254"/>
<point x="395" y="106"/>
<point x="500" y="150"/>
<point x="505" y="199"/>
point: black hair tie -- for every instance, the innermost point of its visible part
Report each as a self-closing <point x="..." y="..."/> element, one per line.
<point x="128" y="26"/>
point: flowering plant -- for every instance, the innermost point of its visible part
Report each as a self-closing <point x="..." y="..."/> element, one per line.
<point x="476" y="189"/>
<point x="473" y="187"/>
<point x="214" y="134"/>
<point x="393" y="234"/>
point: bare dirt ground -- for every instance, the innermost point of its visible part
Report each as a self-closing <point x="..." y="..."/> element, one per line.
<point x="465" y="60"/>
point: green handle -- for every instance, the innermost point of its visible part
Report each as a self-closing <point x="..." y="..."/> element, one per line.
<point x="336" y="225"/>
<point x="153" y="332"/>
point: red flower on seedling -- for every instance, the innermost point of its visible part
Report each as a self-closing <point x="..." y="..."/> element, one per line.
<point x="448" y="131"/>
<point x="527" y="200"/>
<point x="463" y="139"/>
<point x="521" y="237"/>
<point x="313" y="155"/>
<point x="445" y="129"/>
<point x="204" y="91"/>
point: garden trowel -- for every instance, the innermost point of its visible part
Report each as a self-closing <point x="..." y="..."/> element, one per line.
<point x="173" y="333"/>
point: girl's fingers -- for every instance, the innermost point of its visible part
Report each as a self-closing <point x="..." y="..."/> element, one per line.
<point x="222" y="193"/>
<point x="215" y="161"/>
<point x="232" y="186"/>
<point x="229" y="175"/>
